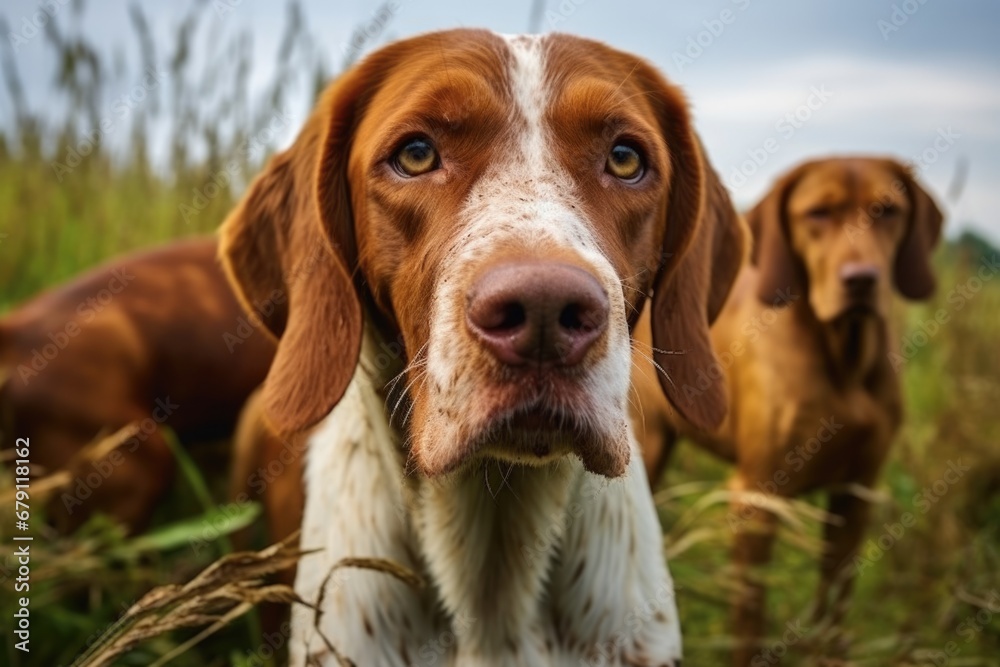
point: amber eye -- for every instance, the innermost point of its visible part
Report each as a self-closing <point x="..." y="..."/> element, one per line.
<point x="624" y="162"/>
<point x="416" y="157"/>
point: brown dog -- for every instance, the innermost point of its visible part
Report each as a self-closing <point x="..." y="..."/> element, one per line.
<point x="803" y="343"/>
<point x="152" y="338"/>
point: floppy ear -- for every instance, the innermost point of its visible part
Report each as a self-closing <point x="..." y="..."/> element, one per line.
<point x="289" y="249"/>
<point x="704" y="247"/>
<point x="911" y="271"/>
<point x="779" y="269"/>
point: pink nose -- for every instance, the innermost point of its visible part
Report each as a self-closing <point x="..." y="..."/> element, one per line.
<point x="537" y="312"/>
<point x="859" y="279"/>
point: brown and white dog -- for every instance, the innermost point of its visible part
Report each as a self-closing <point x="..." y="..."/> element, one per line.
<point x="140" y="340"/>
<point x="494" y="211"/>
<point x="804" y="344"/>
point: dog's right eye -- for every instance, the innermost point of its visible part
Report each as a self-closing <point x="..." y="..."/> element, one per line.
<point x="416" y="157"/>
<point x="819" y="214"/>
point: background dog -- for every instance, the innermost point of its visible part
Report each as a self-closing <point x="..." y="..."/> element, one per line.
<point x="152" y="339"/>
<point x="833" y="240"/>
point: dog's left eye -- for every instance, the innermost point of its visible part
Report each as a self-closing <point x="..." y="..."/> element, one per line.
<point x="416" y="157"/>
<point x="625" y="163"/>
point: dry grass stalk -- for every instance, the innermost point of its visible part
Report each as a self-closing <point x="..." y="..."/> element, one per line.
<point x="794" y="513"/>
<point x="222" y="592"/>
<point x="97" y="449"/>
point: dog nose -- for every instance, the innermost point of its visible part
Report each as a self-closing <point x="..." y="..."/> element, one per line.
<point x="537" y="312"/>
<point x="859" y="278"/>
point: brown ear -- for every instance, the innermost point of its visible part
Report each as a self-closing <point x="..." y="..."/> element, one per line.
<point x="780" y="272"/>
<point x="704" y="247"/>
<point x="288" y="247"/>
<point x="912" y="271"/>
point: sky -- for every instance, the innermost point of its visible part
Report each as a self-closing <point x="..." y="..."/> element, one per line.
<point x="915" y="79"/>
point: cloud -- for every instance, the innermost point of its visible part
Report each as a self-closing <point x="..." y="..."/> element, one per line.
<point x="910" y="94"/>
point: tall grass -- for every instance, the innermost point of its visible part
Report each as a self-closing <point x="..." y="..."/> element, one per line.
<point x="78" y="189"/>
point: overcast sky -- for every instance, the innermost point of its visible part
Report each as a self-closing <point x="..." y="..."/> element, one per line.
<point x="914" y="78"/>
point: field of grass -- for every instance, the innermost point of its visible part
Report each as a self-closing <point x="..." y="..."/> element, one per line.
<point x="914" y="599"/>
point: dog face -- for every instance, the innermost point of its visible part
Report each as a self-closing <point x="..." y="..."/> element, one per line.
<point x="848" y="230"/>
<point x="503" y="205"/>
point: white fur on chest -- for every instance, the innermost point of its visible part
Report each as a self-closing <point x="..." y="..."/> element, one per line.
<point x="525" y="566"/>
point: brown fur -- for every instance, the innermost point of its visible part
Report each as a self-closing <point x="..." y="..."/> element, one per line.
<point x="798" y="351"/>
<point x="159" y="338"/>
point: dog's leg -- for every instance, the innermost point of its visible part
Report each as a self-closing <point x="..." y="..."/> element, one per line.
<point x="837" y="571"/>
<point x="751" y="550"/>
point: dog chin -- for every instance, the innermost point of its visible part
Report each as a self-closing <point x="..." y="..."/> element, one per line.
<point x="846" y="310"/>
<point x="537" y="437"/>
<point x="533" y="436"/>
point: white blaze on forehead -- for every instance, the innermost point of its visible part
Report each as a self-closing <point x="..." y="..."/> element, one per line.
<point x="527" y="193"/>
<point x="527" y="85"/>
<point x="526" y="201"/>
